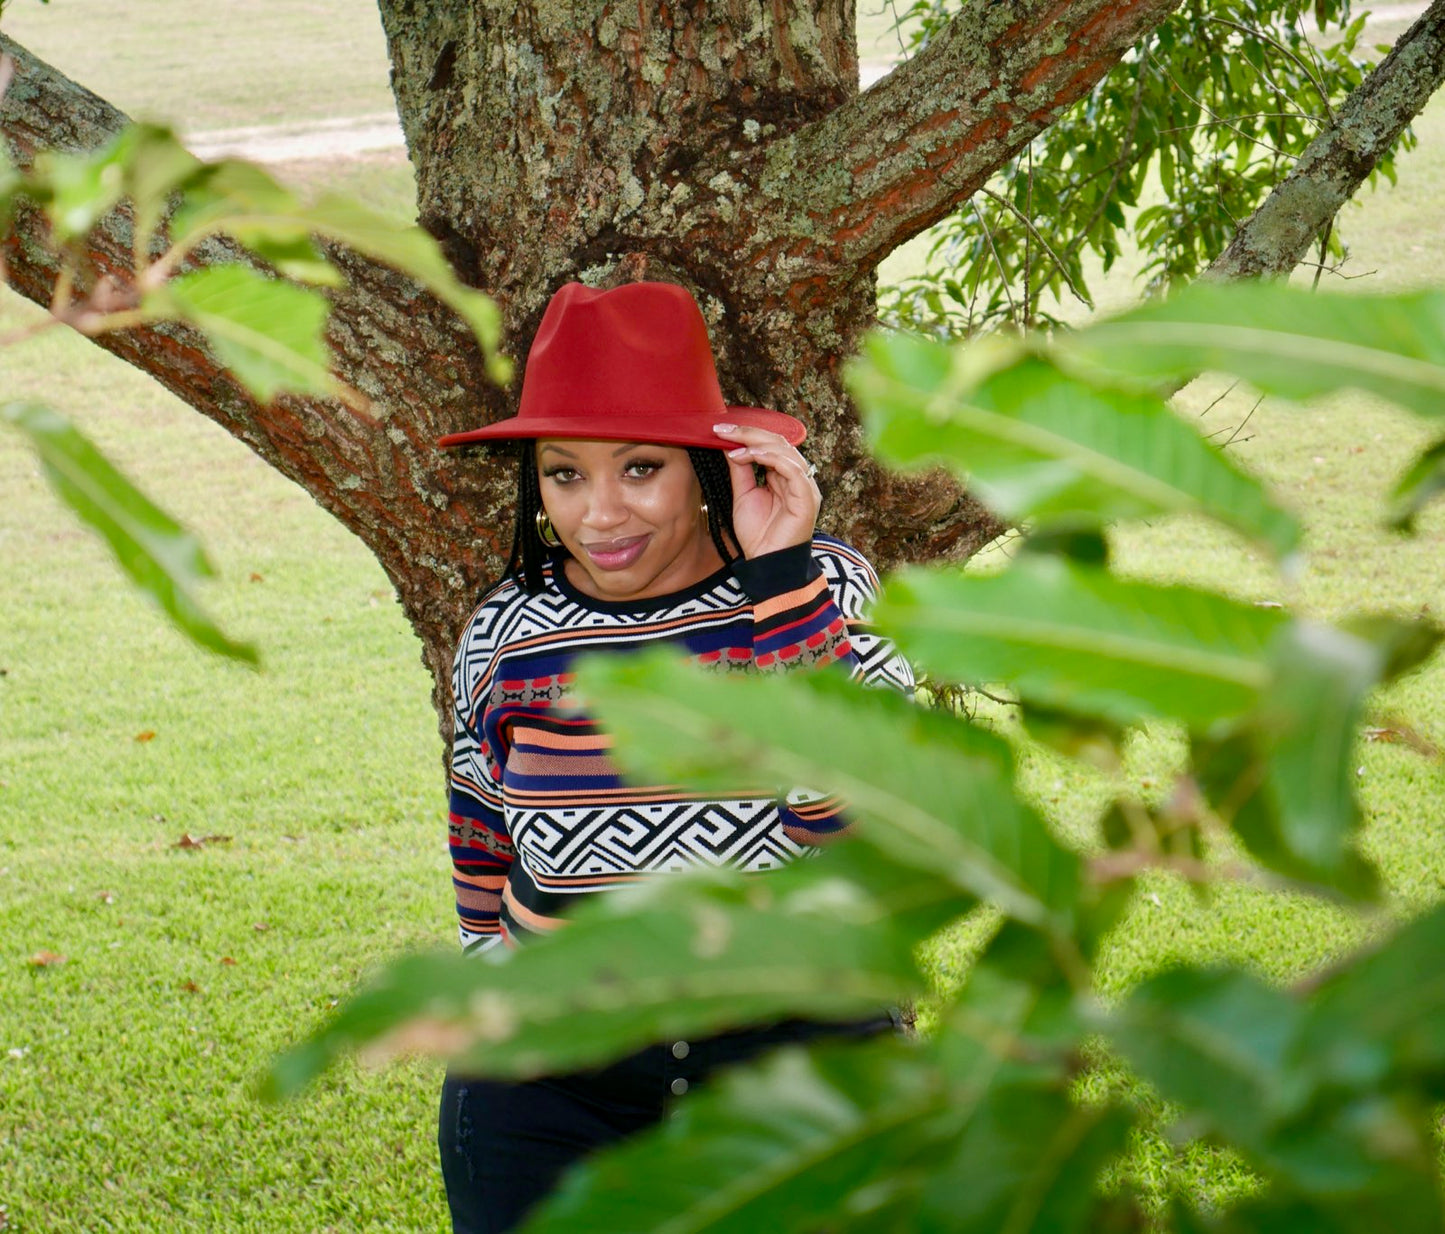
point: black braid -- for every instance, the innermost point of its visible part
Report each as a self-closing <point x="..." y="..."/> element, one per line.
<point x="717" y="491"/>
<point x="529" y="554"/>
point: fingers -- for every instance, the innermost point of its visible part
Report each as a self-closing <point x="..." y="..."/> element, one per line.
<point x="761" y="448"/>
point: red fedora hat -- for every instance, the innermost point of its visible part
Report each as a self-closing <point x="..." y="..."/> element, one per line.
<point x="630" y="364"/>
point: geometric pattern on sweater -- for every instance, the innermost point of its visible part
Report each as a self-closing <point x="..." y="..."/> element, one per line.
<point x="571" y="849"/>
<point x="538" y="812"/>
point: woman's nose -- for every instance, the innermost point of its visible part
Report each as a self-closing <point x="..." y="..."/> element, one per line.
<point x="605" y="507"/>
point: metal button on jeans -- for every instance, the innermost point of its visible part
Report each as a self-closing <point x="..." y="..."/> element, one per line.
<point x="679" y="1086"/>
<point x="680" y="1049"/>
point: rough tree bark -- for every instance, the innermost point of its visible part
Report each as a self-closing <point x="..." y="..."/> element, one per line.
<point x="722" y="144"/>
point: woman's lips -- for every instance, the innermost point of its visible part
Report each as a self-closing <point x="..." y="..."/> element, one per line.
<point x="616" y="554"/>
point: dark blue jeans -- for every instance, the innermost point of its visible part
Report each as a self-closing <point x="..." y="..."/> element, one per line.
<point x="505" y="1144"/>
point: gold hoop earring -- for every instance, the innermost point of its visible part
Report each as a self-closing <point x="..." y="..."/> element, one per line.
<point x="546" y="532"/>
<point x="703" y="510"/>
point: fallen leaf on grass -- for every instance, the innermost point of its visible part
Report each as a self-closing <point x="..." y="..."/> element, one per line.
<point x="190" y="841"/>
<point x="190" y="987"/>
<point x="46" y="959"/>
<point x="105" y="897"/>
<point x="148" y="735"/>
<point x="1403" y="734"/>
<point x="257" y="577"/>
<point x="261" y="926"/>
<point x="225" y="959"/>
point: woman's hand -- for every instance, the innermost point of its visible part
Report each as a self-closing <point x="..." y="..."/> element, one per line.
<point x="780" y="512"/>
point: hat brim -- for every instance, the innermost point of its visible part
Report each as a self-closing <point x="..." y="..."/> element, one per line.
<point x="688" y="428"/>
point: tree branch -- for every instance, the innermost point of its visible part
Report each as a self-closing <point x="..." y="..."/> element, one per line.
<point x="1276" y="237"/>
<point x="419" y="366"/>
<point x="900" y="156"/>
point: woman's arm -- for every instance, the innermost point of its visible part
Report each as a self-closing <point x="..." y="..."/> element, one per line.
<point x="481" y="848"/>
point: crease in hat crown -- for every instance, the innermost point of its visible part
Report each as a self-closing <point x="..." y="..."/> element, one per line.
<point x="632" y="363"/>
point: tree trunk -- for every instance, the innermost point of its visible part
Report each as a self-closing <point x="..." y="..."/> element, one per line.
<point x="720" y="144"/>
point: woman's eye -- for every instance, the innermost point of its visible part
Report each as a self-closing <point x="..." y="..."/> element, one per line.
<point x="563" y="475"/>
<point x="640" y="470"/>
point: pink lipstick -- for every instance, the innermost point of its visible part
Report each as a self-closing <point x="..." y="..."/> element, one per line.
<point x="616" y="554"/>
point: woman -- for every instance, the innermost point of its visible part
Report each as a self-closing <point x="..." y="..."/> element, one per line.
<point x="647" y="511"/>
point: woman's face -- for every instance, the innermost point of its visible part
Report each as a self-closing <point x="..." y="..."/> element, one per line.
<point x="629" y="513"/>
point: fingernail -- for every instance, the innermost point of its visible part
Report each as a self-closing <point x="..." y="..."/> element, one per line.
<point x="738" y="451"/>
<point x="724" y="428"/>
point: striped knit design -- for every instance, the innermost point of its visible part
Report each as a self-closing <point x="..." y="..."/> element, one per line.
<point x="539" y="814"/>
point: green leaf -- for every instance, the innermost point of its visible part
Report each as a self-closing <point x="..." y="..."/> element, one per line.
<point x="77" y="190"/>
<point x="413" y="251"/>
<point x="1414" y="1212"/>
<point x="1079" y="640"/>
<point x="247" y="203"/>
<point x="229" y="193"/>
<point x="676" y="957"/>
<point x="1217" y="1041"/>
<point x="1284" y="340"/>
<point x="1234" y="1054"/>
<point x="1086" y="546"/>
<point x="1034" y="444"/>
<point x="929" y="789"/>
<point x="1016" y="1016"/>
<point x="1285" y="778"/>
<point x="143" y="162"/>
<point x="270" y="333"/>
<point x="1028" y="1163"/>
<point x="1400" y="645"/>
<point x="1422" y="482"/>
<point x="155" y="165"/>
<point x="1379" y="1020"/>
<point x="800" y="1142"/>
<point x="163" y="559"/>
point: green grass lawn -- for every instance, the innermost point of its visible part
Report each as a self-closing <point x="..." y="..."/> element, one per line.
<point x="209" y="66"/>
<point x="125" y="1072"/>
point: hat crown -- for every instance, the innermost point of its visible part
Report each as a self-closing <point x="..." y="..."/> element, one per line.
<point x="638" y="349"/>
<point x="629" y="364"/>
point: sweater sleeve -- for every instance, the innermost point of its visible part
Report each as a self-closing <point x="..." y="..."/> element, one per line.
<point x="481" y="848"/>
<point x="796" y="619"/>
<point x="810" y="606"/>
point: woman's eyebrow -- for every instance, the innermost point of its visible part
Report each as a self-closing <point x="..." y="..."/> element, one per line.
<point x="632" y="445"/>
<point x="558" y="450"/>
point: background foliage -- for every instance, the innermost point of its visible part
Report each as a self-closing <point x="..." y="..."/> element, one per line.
<point x="1167" y="155"/>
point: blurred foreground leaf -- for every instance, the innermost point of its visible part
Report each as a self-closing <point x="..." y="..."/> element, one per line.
<point x="803" y="1141"/>
<point x="1284" y="778"/>
<point x="1380" y="1019"/>
<point x="1283" y="340"/>
<point x="1422" y="482"/>
<point x="1236" y="1055"/>
<point x="674" y="957"/>
<point x="929" y="790"/>
<point x="245" y="202"/>
<point x="163" y="559"/>
<point x="1079" y="640"/>
<point x="270" y="333"/>
<point x="1036" y="446"/>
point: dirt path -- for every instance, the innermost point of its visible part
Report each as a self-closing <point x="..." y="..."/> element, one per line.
<point x="352" y="135"/>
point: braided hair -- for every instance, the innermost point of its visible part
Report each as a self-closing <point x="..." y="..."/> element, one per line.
<point x="529" y="554"/>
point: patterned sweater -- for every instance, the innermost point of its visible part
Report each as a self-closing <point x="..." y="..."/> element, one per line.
<point x="538" y="813"/>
